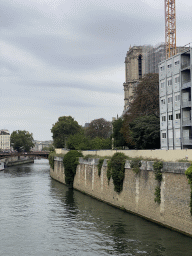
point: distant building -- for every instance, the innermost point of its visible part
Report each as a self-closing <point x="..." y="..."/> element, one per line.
<point x="87" y="125"/>
<point x="175" y="101"/>
<point x="39" y="145"/>
<point x="141" y="60"/>
<point x="4" y="139"/>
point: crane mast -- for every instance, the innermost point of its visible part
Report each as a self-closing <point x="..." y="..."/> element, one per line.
<point x="170" y="28"/>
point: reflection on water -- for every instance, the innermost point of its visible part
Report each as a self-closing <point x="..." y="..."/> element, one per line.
<point x="40" y="216"/>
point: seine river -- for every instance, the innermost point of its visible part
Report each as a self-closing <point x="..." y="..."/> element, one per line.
<point x="41" y="217"/>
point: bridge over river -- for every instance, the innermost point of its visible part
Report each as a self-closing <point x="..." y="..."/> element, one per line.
<point x="35" y="154"/>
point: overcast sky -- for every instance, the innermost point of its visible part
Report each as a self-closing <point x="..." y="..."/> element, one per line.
<point x="66" y="57"/>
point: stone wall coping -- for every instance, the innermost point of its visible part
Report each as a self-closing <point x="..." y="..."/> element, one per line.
<point x="58" y="158"/>
<point x="171" y="167"/>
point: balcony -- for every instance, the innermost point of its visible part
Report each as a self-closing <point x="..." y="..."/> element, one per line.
<point x="186" y="104"/>
<point x="185" y="64"/>
<point x="186" y="84"/>
<point x="187" y="141"/>
<point x="186" y="121"/>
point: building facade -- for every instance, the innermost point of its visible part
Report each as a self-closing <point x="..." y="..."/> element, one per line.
<point x="4" y="140"/>
<point x="175" y="101"/>
<point x="140" y="60"/>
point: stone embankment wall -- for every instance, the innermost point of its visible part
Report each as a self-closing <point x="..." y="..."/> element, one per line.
<point x="15" y="160"/>
<point x="138" y="191"/>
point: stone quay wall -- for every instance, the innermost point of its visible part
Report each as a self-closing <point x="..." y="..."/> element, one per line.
<point x="138" y="191"/>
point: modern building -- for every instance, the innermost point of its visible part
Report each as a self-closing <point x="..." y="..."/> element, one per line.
<point x="140" y="60"/>
<point x="175" y="101"/>
<point x="4" y="140"/>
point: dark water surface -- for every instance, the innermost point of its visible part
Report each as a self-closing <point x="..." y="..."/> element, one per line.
<point x="41" y="217"/>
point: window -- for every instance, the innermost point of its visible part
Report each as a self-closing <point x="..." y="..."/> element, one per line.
<point x="162" y="84"/>
<point x="163" y="101"/>
<point x="140" y="66"/>
<point x="163" y="135"/>
<point x="177" y="79"/>
<point x="163" y="118"/>
<point x="169" y="82"/>
<point x="177" y="97"/>
<point x="169" y="66"/>
<point x="162" y="68"/>
<point x="170" y="117"/>
<point x="178" y="116"/>
<point x="176" y="62"/>
<point x="170" y="99"/>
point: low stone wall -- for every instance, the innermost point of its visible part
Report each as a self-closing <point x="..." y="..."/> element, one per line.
<point x="164" y="155"/>
<point x="138" y="191"/>
<point x="15" y="160"/>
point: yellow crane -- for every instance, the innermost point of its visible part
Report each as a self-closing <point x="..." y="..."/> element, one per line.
<point x="170" y="28"/>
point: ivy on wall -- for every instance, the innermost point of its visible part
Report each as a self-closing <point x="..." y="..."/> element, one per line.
<point x="188" y="173"/>
<point x="116" y="170"/>
<point x="70" y="162"/>
<point x="135" y="165"/>
<point x="100" y="164"/>
<point x="157" y="166"/>
<point x="51" y="159"/>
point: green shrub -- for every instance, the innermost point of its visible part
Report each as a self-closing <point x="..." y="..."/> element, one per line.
<point x="116" y="169"/>
<point x="51" y="159"/>
<point x="158" y="195"/>
<point x="188" y="173"/>
<point x="157" y="166"/>
<point x="135" y="165"/>
<point x="70" y="162"/>
<point x="100" y="166"/>
<point x="109" y="170"/>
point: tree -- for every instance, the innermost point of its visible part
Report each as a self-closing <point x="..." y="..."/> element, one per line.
<point x="79" y="141"/>
<point x="99" y="128"/>
<point x="145" y="132"/>
<point x="62" y="129"/>
<point x="145" y="102"/>
<point x="146" y="97"/>
<point x="119" y="140"/>
<point x="22" y="140"/>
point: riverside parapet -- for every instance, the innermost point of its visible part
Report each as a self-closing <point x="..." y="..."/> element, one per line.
<point x="138" y="191"/>
<point x="16" y="160"/>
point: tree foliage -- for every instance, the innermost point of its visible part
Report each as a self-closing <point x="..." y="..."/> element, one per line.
<point x="22" y="141"/>
<point x="62" y="129"/>
<point x="99" y="128"/>
<point x="119" y="140"/>
<point x="145" y="102"/>
<point x="145" y="132"/>
<point x="79" y="141"/>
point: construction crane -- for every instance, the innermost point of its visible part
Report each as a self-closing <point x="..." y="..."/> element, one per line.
<point x="170" y="28"/>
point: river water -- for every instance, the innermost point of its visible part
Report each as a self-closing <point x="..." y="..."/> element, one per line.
<point x="41" y="217"/>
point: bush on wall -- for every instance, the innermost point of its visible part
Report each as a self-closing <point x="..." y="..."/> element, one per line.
<point x="157" y="166"/>
<point x="51" y="159"/>
<point x="188" y="173"/>
<point x="70" y="162"/>
<point x="116" y="170"/>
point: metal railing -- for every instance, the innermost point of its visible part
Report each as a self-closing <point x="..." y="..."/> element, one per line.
<point x="185" y="64"/>
<point x="186" y="84"/>
<point x="185" y="103"/>
<point x="186" y="121"/>
<point x="187" y="141"/>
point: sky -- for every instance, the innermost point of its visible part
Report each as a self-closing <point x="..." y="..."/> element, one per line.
<point x="66" y="57"/>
